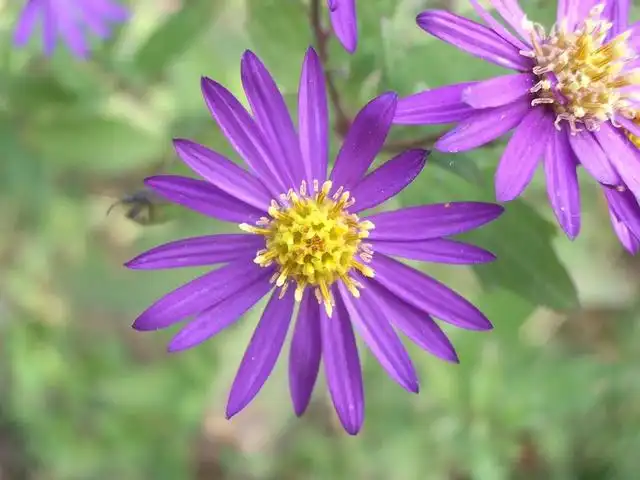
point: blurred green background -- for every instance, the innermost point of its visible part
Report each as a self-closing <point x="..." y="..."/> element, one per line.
<point x="552" y="393"/>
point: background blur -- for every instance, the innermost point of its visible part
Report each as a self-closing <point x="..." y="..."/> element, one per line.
<point x="552" y="393"/>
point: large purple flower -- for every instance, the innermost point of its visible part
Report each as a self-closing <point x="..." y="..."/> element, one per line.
<point x="305" y="243"/>
<point x="344" y="22"/>
<point x="572" y="101"/>
<point x="70" y="20"/>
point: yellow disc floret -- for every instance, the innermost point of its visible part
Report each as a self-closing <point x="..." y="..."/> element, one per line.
<point x="314" y="241"/>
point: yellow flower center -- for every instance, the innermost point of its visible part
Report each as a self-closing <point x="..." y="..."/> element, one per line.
<point x="315" y="242"/>
<point x="580" y="76"/>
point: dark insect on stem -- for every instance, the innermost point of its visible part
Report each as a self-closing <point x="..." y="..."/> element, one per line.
<point x="143" y="207"/>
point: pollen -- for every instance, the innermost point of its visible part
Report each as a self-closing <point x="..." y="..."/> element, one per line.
<point x="582" y="77"/>
<point x="315" y="241"/>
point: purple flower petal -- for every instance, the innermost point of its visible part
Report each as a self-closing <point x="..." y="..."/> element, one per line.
<point x="199" y="251"/>
<point x="619" y="15"/>
<point x="49" y="29"/>
<point x="624" y="205"/>
<point x="521" y="156"/>
<point x="437" y="105"/>
<point x="634" y="39"/>
<point x="342" y="366"/>
<point x="622" y="154"/>
<point x="27" y="22"/>
<point x="590" y="154"/>
<point x="562" y="183"/>
<point x="223" y="173"/>
<point x="432" y="221"/>
<point x="439" y="250"/>
<point x="272" y="116"/>
<point x="497" y="26"/>
<point x="364" y="140"/>
<point x="427" y="294"/>
<point x="224" y="313"/>
<point x="244" y="135"/>
<point x="483" y="127"/>
<point x="473" y="38"/>
<point x="344" y="22"/>
<point x="414" y="323"/>
<point x="388" y="180"/>
<point x="628" y="241"/>
<point x="203" y="198"/>
<point x="199" y="294"/>
<point x="262" y="353"/>
<point x="499" y="91"/>
<point x="305" y="353"/>
<point x="313" y="118"/>
<point x="382" y="340"/>
<point x="511" y="12"/>
<point x="70" y="32"/>
<point x="629" y="125"/>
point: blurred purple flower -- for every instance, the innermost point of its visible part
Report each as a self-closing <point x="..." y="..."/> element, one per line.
<point x="344" y="22"/>
<point x="572" y="101"/>
<point x="305" y="243"/>
<point x="71" y="20"/>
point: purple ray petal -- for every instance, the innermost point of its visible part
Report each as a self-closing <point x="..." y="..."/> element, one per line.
<point x="199" y="294"/>
<point x="382" y="340"/>
<point x="427" y="294"/>
<point x="522" y="154"/>
<point x="622" y="154"/>
<point x="629" y="125"/>
<point x="438" y="105"/>
<point x="562" y="183"/>
<point x="432" y="221"/>
<point x="49" y="29"/>
<point x="342" y="366"/>
<point x="414" y="323"/>
<point x="27" y="19"/>
<point x="511" y="12"/>
<point x="499" y="91"/>
<point x="199" y="251"/>
<point x="590" y="154"/>
<point x="619" y="16"/>
<point x="439" y="250"/>
<point x="224" y="313"/>
<point x="262" y="353"/>
<point x="628" y="240"/>
<point x="272" y="116"/>
<point x="203" y="197"/>
<point x="305" y="353"/>
<point x="71" y="32"/>
<point x="345" y="23"/>
<point x="634" y="39"/>
<point x="483" y="127"/>
<point x="313" y="118"/>
<point x="623" y="204"/>
<point x="223" y="173"/>
<point x="108" y="10"/>
<point x="473" y="38"/>
<point x="244" y="135"/>
<point x="364" y="140"/>
<point x="388" y="180"/>
<point x="497" y="26"/>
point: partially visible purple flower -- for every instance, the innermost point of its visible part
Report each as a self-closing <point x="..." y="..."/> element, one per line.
<point x="70" y="20"/>
<point x="574" y="98"/>
<point x="625" y="214"/>
<point x="344" y="22"/>
<point x="306" y="243"/>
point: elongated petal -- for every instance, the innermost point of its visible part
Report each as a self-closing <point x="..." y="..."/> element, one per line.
<point x="629" y="125"/>
<point x="627" y="239"/>
<point x="344" y="23"/>
<point x="388" y="180"/>
<point x="440" y="250"/>
<point x="203" y="198"/>
<point x="262" y="353"/>
<point x="26" y="22"/>
<point x="590" y="154"/>
<point x="432" y="221"/>
<point x="473" y="38"/>
<point x="497" y="27"/>
<point x="511" y="12"/>
<point x="224" y="313"/>
<point x="199" y="251"/>
<point x="364" y="140"/>
<point x="342" y="367"/>
<point x="427" y="294"/>
<point x="272" y="117"/>
<point x="313" y="118"/>
<point x="438" y="105"/>
<point x="305" y="353"/>
<point x="49" y="29"/>
<point x="483" y="127"/>
<point x="619" y="16"/>
<point x="499" y="91"/>
<point x="622" y="154"/>
<point x="243" y="135"/>
<point x="223" y="173"/>
<point x="522" y="154"/>
<point x="70" y="32"/>
<point x="414" y="323"/>
<point x="624" y="206"/>
<point x="199" y="294"/>
<point x="562" y="184"/>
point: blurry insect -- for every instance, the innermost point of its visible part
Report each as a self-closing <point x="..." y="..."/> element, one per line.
<point x="144" y="208"/>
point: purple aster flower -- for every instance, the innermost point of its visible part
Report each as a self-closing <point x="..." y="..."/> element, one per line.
<point x="344" y="22"/>
<point x="70" y="20"/>
<point x="303" y="242"/>
<point x="573" y="100"/>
